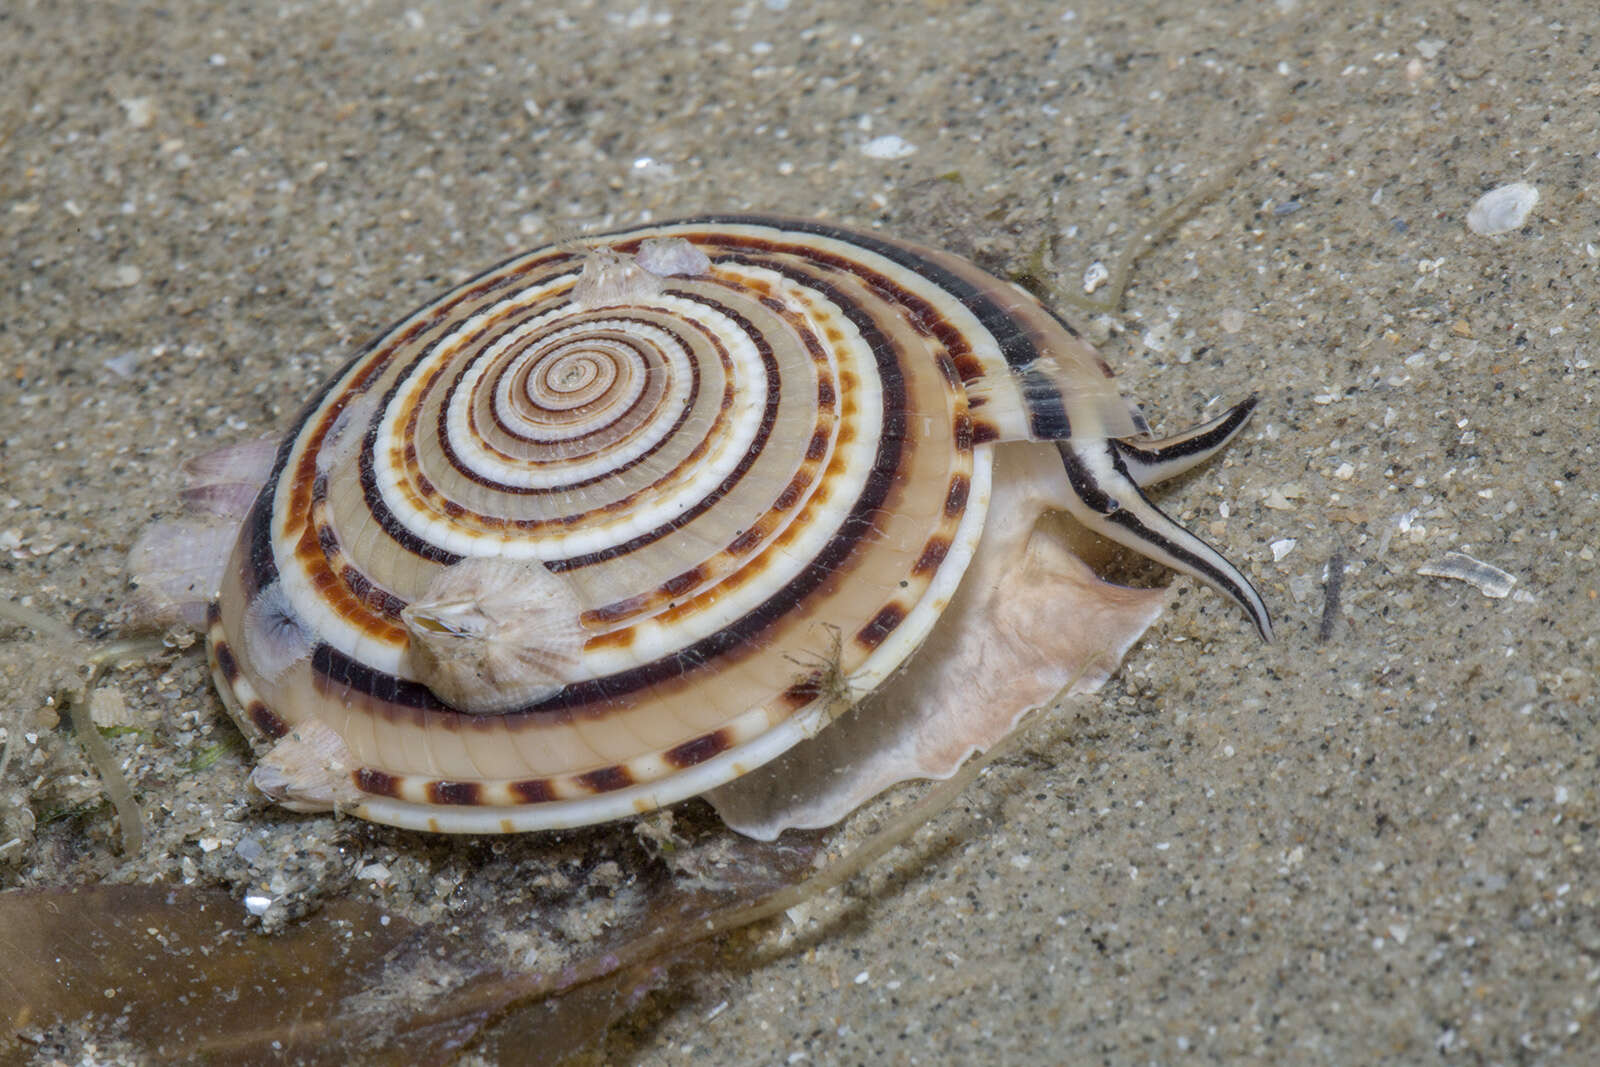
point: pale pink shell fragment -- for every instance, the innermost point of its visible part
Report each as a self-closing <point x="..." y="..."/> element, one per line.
<point x="309" y="770"/>
<point x="178" y="563"/>
<point x="249" y="462"/>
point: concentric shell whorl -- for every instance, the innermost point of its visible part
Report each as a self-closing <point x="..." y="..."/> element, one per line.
<point x="733" y="467"/>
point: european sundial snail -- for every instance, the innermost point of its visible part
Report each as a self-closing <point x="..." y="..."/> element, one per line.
<point x="617" y="522"/>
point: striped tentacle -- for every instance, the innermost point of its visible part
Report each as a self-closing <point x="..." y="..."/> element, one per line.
<point x="1152" y="461"/>
<point x="1107" y="499"/>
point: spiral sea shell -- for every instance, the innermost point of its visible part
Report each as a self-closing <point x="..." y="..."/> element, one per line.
<point x="616" y="522"/>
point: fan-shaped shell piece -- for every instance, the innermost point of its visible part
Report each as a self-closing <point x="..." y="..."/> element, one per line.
<point x="615" y="522"/>
<point x="491" y="635"/>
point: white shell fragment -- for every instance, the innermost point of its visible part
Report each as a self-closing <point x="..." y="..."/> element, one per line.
<point x="1095" y="276"/>
<point x="672" y="257"/>
<point x="108" y="708"/>
<point x="1504" y="209"/>
<point x="609" y="279"/>
<point x="888" y="146"/>
<point x="1488" y="579"/>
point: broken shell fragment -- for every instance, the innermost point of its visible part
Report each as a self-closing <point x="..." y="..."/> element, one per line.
<point x="1503" y="210"/>
<point x="1486" y="578"/>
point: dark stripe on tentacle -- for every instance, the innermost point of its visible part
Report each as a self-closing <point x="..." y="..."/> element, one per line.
<point x="1113" y="506"/>
<point x="1156" y="461"/>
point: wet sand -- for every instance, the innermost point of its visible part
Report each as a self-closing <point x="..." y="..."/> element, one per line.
<point x="1373" y="839"/>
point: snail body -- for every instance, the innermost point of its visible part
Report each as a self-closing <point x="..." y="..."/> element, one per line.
<point x="612" y="524"/>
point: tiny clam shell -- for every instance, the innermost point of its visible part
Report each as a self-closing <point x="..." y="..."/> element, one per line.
<point x="1503" y="209"/>
<point x="618" y="522"/>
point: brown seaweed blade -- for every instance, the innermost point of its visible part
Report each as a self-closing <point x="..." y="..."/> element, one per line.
<point x="169" y="972"/>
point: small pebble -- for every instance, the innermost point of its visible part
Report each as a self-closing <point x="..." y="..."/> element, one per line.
<point x="108" y="708"/>
<point x="1277" y="500"/>
<point x="139" y="110"/>
<point x="376" y="873"/>
<point x="1095" y="276"/>
<point x="1504" y="209"/>
<point x="888" y="146"/>
<point x="124" y="365"/>
<point x="123" y="277"/>
<point x="248" y="849"/>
